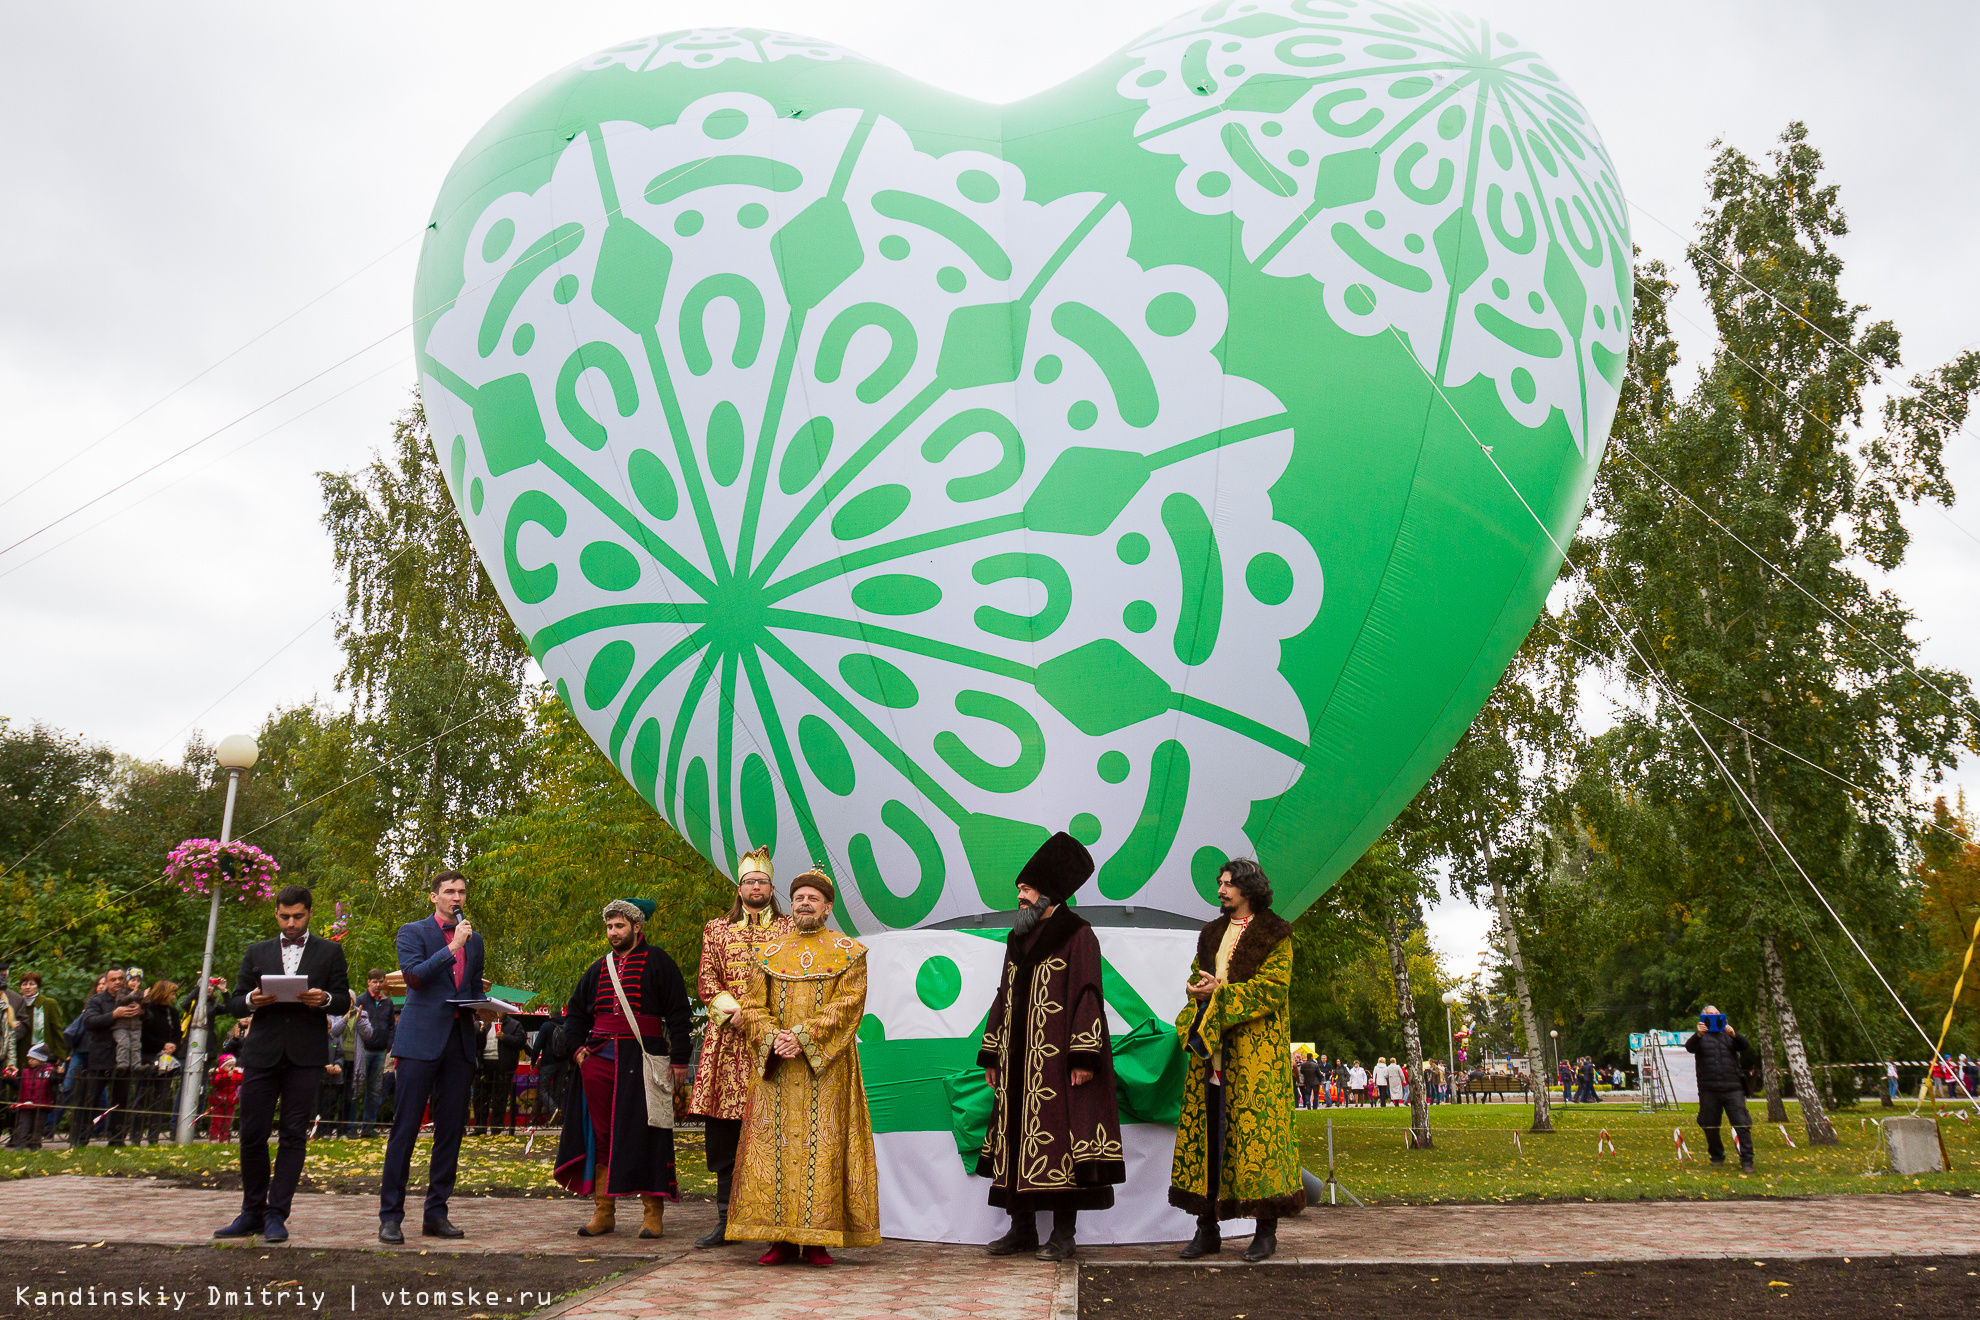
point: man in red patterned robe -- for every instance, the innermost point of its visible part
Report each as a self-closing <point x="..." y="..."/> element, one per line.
<point x="1054" y="1140"/>
<point x="729" y="946"/>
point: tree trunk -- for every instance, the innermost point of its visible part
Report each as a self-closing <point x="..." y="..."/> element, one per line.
<point x="1419" y="1101"/>
<point x="1770" y="1063"/>
<point x="1543" y="1117"/>
<point x="1820" y="1131"/>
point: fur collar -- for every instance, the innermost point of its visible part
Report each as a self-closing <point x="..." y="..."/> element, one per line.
<point x="1053" y="935"/>
<point x="1262" y="936"/>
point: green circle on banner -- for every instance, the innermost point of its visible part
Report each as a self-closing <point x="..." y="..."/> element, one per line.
<point x="939" y="982"/>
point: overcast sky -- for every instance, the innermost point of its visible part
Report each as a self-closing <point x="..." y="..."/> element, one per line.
<point x="183" y="178"/>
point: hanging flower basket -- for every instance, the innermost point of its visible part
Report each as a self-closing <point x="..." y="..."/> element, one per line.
<point x="236" y="869"/>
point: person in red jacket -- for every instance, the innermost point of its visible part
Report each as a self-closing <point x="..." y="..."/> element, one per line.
<point x="226" y="1093"/>
<point x="36" y="1100"/>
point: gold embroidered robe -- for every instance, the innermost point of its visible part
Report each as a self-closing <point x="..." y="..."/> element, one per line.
<point x="1246" y="1025"/>
<point x="728" y="955"/>
<point x="805" y="1173"/>
<point x="1051" y="1145"/>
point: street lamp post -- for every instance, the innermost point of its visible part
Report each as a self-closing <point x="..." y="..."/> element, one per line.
<point x="236" y="754"/>
<point x="1450" y="1036"/>
<point x="1554" y="1043"/>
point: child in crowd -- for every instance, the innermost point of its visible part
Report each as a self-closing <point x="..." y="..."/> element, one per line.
<point x="128" y="1033"/>
<point x="226" y="1094"/>
<point x="37" y="1099"/>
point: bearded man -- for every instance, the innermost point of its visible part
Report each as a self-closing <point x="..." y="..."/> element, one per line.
<point x="610" y="1146"/>
<point x="729" y="948"/>
<point x="805" y="1177"/>
<point x="1235" y="1153"/>
<point x="1054" y="1140"/>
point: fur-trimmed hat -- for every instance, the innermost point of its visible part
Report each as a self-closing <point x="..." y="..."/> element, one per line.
<point x="815" y="878"/>
<point x="639" y="911"/>
<point x="1059" y="867"/>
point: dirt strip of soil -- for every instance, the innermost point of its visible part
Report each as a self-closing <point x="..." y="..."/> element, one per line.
<point x="1831" y="1288"/>
<point x="42" y="1279"/>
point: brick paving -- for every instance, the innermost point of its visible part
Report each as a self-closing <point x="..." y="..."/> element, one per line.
<point x="928" y="1281"/>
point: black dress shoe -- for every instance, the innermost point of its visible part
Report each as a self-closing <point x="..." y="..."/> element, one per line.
<point x="1018" y="1239"/>
<point x="1060" y="1246"/>
<point x="273" y="1229"/>
<point x="1207" y="1242"/>
<point x="245" y="1225"/>
<point x="440" y="1228"/>
<point x="389" y="1232"/>
<point x="717" y="1236"/>
<point x="1263" y="1243"/>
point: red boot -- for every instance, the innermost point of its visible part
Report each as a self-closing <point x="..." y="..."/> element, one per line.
<point x="780" y="1253"/>
<point x="817" y="1256"/>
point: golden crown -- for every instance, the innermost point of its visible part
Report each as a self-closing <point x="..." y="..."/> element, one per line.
<point x="752" y="862"/>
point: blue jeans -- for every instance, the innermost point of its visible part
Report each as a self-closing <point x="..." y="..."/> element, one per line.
<point x="365" y="1101"/>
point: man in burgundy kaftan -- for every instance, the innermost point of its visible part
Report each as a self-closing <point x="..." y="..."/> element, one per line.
<point x="1054" y="1140"/>
<point x="609" y="1148"/>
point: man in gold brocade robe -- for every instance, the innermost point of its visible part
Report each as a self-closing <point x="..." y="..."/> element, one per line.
<point x="805" y="1177"/>
<point x="729" y="946"/>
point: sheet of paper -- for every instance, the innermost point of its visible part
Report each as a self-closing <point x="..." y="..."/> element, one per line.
<point x="286" y="989"/>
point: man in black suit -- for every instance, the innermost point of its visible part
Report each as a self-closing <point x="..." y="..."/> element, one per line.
<point x="282" y="1058"/>
<point x="435" y="1048"/>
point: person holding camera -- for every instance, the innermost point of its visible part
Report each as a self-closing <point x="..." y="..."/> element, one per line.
<point x="1720" y="1053"/>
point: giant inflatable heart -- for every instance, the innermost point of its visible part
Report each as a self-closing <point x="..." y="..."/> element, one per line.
<point x="892" y="479"/>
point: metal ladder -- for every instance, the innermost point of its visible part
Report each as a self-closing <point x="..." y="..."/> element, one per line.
<point x="1653" y="1084"/>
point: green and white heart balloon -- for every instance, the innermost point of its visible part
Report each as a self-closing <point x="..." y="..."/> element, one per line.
<point x="892" y="478"/>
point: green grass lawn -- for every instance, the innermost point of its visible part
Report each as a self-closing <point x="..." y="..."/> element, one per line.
<point x="1475" y="1157"/>
<point x="498" y="1165"/>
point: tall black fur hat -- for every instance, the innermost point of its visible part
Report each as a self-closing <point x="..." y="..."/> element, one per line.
<point x="1058" y="868"/>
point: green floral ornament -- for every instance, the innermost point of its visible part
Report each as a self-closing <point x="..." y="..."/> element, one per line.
<point x="896" y="479"/>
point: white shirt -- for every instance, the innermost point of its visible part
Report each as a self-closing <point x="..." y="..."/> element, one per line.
<point x="292" y="954"/>
<point x="1357" y="1077"/>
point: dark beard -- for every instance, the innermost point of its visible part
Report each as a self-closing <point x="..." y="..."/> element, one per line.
<point x="1027" y="919"/>
<point x="755" y="907"/>
<point x="1227" y="909"/>
<point x="620" y="946"/>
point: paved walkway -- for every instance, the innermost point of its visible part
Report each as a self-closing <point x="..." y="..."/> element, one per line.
<point x="925" y="1281"/>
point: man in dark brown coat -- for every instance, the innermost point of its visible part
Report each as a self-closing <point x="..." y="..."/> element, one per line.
<point x="1054" y="1140"/>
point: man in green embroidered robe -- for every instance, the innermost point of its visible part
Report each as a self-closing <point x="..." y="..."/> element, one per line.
<point x="1235" y="1153"/>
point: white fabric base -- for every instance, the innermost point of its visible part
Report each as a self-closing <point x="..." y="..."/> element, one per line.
<point x="925" y="1195"/>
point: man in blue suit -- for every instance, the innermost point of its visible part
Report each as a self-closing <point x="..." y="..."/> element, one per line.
<point x="440" y="957"/>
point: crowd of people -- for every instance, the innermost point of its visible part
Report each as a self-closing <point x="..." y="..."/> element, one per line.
<point x="111" y="1071"/>
<point x="1323" y="1083"/>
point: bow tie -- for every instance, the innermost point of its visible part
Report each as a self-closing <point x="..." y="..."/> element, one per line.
<point x="295" y="943"/>
<point x="448" y="931"/>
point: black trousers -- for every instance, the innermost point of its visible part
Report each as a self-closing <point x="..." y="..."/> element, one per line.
<point x="296" y="1086"/>
<point x="1732" y="1104"/>
<point x="448" y="1082"/>
<point x="494" y="1095"/>
<point x="1213" y="1101"/>
<point x="90" y="1084"/>
<point x="720" y="1141"/>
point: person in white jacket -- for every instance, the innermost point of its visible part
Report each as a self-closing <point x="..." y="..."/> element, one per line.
<point x="1357" y="1083"/>
<point x="1398" y="1082"/>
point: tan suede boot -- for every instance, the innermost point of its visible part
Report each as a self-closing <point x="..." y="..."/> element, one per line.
<point x="604" y="1212"/>
<point x="652" y="1226"/>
